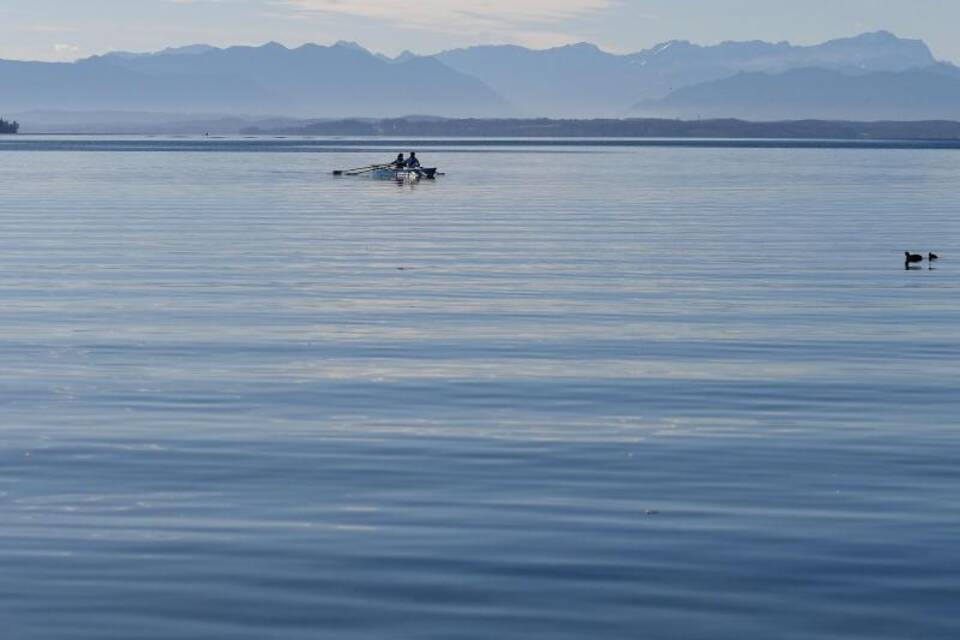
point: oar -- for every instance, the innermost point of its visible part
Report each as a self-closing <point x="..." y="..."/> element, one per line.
<point x="341" y="172"/>
<point x="358" y="172"/>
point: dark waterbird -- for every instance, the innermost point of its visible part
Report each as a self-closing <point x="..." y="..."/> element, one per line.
<point x="913" y="258"/>
<point x="932" y="257"/>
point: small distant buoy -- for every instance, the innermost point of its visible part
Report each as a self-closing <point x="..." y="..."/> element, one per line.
<point x="933" y="257"/>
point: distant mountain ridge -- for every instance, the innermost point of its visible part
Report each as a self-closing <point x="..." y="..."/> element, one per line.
<point x="673" y="79"/>
<point x="582" y="80"/>
<point x="189" y="50"/>
<point x="919" y="94"/>
<point x="312" y="80"/>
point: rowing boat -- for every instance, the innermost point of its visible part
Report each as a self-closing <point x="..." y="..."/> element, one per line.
<point x="393" y="173"/>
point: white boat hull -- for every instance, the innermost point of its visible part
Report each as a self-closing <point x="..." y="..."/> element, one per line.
<point x="403" y="174"/>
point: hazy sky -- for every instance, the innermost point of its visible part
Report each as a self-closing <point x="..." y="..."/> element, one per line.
<point x="67" y="29"/>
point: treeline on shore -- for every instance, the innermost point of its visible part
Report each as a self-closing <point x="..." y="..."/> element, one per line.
<point x="7" y="126"/>
<point x="625" y="128"/>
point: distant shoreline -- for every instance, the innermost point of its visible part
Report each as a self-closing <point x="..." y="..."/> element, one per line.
<point x="416" y="127"/>
<point x="938" y="130"/>
<point x="332" y="144"/>
<point x="8" y="127"/>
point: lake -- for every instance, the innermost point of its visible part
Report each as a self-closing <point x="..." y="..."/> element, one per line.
<point x="565" y="391"/>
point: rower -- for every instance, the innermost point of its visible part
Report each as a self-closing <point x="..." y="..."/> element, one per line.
<point x="400" y="162"/>
<point x="412" y="162"/>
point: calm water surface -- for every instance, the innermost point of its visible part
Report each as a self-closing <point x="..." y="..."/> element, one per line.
<point x="583" y="392"/>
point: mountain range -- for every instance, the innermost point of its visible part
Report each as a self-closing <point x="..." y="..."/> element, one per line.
<point x="583" y="81"/>
<point x="871" y="76"/>
<point x="928" y="93"/>
<point x="310" y="80"/>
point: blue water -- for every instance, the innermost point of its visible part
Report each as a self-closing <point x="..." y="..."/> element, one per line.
<point x="563" y="392"/>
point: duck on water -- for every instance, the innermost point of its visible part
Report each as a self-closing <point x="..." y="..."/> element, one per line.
<point x="916" y="258"/>
<point x="913" y="258"/>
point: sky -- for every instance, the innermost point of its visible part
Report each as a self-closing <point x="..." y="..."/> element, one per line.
<point x="60" y="30"/>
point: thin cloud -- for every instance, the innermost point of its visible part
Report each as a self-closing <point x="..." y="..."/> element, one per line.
<point x="455" y="15"/>
<point x="45" y="28"/>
